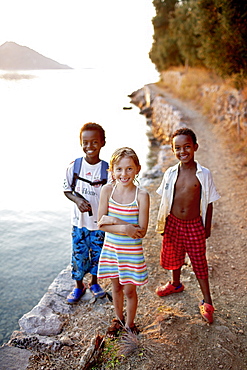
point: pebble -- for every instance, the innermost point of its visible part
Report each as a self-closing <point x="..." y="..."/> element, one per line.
<point x="66" y="341"/>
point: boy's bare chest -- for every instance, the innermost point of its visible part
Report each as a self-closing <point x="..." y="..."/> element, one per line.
<point x="187" y="183"/>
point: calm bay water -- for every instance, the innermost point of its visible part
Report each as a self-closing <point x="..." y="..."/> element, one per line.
<point x="40" y="121"/>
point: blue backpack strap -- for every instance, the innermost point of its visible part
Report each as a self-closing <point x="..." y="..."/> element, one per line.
<point x="76" y="171"/>
<point x="77" y="168"/>
<point x="104" y="168"/>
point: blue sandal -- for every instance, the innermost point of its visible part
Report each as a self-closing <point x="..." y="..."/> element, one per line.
<point x="76" y="294"/>
<point x="97" y="291"/>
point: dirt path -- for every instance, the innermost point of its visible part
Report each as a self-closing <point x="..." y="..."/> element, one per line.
<point x="228" y="243"/>
<point x="173" y="334"/>
<point x="227" y="255"/>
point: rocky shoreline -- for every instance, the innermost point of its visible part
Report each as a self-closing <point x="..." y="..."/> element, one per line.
<point x="57" y="336"/>
<point x="40" y="328"/>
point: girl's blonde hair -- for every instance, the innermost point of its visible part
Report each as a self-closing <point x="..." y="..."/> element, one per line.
<point x="121" y="153"/>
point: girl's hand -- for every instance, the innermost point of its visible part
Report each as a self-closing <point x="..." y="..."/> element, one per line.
<point x="106" y="220"/>
<point x="135" y="232"/>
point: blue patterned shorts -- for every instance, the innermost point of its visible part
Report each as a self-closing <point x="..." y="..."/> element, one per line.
<point x="86" y="249"/>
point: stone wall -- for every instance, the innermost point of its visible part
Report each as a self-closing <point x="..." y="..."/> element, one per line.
<point x="163" y="118"/>
<point x="223" y="104"/>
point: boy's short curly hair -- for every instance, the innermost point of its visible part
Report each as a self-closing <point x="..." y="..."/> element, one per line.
<point x="184" y="131"/>
<point x="90" y="126"/>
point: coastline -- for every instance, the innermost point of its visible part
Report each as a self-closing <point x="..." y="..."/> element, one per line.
<point x="44" y="320"/>
<point x="172" y="322"/>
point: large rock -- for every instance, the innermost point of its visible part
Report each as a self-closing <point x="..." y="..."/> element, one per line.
<point x="55" y="297"/>
<point x="41" y="320"/>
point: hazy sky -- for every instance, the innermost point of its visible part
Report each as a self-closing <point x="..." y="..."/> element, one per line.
<point x="81" y="33"/>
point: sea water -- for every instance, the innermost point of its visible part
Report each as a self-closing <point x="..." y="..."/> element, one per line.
<point x="41" y="115"/>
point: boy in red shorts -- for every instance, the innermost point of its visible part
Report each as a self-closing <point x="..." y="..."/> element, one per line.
<point x="185" y="216"/>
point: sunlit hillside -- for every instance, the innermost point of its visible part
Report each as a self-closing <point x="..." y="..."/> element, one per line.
<point x="17" y="57"/>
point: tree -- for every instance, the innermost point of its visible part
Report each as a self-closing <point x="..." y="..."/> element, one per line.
<point x="212" y="33"/>
<point x="183" y="26"/>
<point x="164" y="52"/>
<point x="222" y="28"/>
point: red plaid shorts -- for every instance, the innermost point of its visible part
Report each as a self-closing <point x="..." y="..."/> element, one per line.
<point x="181" y="237"/>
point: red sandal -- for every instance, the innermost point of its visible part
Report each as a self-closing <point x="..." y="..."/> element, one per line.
<point x="115" y="328"/>
<point x="206" y="310"/>
<point x="133" y="329"/>
<point x="169" y="289"/>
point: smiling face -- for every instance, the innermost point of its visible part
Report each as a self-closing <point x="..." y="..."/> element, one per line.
<point x="184" y="148"/>
<point x="125" y="171"/>
<point x="92" y="143"/>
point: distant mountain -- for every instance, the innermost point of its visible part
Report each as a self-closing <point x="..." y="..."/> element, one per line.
<point x="17" y="57"/>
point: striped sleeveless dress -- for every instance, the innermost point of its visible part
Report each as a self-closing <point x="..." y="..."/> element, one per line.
<point x="121" y="256"/>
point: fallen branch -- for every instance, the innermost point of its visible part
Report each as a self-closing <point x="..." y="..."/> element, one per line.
<point x="92" y="353"/>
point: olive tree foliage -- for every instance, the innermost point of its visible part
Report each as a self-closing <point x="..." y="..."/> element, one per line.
<point x="164" y="51"/>
<point x="183" y="27"/>
<point x="201" y="32"/>
<point x="222" y="26"/>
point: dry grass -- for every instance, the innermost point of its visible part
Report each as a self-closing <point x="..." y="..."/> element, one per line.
<point x="191" y="81"/>
<point x="128" y="344"/>
<point x="237" y="142"/>
<point x="204" y="89"/>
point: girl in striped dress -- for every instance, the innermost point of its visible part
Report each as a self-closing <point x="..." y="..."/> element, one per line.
<point x="123" y="215"/>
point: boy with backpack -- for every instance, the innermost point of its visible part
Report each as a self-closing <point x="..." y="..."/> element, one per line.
<point x="83" y="182"/>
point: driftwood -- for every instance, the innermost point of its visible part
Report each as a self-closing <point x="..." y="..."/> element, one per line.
<point x="92" y="353"/>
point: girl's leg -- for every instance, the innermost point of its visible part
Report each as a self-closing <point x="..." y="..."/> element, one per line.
<point x="204" y="285"/>
<point x="131" y="306"/>
<point x="118" y="298"/>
